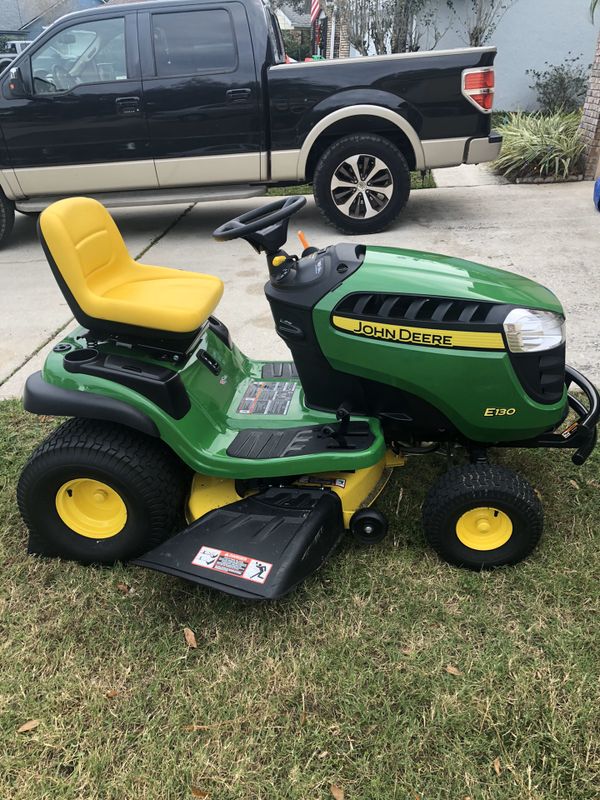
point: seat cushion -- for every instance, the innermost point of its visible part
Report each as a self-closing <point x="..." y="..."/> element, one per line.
<point x="161" y="299"/>
<point x="89" y="257"/>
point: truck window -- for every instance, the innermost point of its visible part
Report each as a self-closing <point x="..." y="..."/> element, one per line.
<point x="192" y="42"/>
<point x="92" y="52"/>
<point x="275" y="37"/>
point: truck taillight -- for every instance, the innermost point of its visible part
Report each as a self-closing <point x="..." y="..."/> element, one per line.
<point x="478" y="87"/>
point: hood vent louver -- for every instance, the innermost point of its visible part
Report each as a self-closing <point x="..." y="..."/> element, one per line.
<point x="413" y="308"/>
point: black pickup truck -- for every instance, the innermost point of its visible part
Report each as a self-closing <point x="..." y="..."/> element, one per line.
<point x="186" y="100"/>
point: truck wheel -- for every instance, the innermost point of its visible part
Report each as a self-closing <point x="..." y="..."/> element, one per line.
<point x="482" y="516"/>
<point x="361" y="183"/>
<point x="7" y="217"/>
<point x="96" y="492"/>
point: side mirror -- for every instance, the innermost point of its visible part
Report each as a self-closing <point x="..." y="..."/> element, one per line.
<point x="15" y="85"/>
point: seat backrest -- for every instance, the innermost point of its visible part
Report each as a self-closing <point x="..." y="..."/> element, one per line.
<point x="84" y="249"/>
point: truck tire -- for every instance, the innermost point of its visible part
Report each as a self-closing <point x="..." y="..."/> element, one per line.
<point x="361" y="183"/>
<point x="7" y="217"/>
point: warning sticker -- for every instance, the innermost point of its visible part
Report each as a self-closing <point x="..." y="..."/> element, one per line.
<point x="317" y="480"/>
<point x="232" y="564"/>
<point x="273" y="397"/>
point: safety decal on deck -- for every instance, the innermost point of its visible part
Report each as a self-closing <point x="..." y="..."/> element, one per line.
<point x="268" y="397"/>
<point x="316" y="480"/>
<point x="250" y="569"/>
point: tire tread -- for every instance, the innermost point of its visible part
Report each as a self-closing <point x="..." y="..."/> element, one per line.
<point x="381" y="221"/>
<point x="159" y="475"/>
<point x="481" y="483"/>
<point x="7" y="217"/>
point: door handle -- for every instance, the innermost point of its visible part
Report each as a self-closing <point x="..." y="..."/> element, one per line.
<point x="238" y="95"/>
<point x="128" y="105"/>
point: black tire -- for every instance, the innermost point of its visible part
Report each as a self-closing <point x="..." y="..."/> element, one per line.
<point x="368" y="526"/>
<point x="147" y="477"/>
<point x="7" y="217"/>
<point x="30" y="214"/>
<point x="333" y="165"/>
<point x="482" y="487"/>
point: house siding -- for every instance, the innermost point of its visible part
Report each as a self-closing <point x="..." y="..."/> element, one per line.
<point x="531" y="33"/>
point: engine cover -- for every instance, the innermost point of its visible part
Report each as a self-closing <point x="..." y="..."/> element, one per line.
<point x="417" y="339"/>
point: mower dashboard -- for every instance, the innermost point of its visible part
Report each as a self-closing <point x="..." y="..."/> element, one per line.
<point x="318" y="272"/>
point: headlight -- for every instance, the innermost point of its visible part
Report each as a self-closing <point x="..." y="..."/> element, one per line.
<point x="528" y="330"/>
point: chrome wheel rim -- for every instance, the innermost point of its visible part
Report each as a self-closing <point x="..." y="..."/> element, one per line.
<point x="362" y="186"/>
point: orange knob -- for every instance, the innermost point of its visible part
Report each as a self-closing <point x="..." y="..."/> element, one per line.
<point x="303" y="240"/>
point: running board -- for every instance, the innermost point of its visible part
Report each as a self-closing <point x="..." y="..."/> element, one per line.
<point x="152" y="197"/>
<point x="260" y="547"/>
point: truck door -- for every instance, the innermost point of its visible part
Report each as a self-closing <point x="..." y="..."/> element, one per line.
<point x="201" y="95"/>
<point x="82" y="128"/>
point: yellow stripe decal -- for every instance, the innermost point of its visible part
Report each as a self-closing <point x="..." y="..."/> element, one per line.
<point x="429" y="337"/>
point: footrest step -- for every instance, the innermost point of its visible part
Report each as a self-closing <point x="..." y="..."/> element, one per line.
<point x="262" y="443"/>
<point x="279" y="369"/>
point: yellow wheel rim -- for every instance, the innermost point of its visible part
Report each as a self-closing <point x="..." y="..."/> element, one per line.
<point x="484" y="528"/>
<point x="91" y="508"/>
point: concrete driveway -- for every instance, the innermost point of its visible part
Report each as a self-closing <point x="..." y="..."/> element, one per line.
<point x="550" y="233"/>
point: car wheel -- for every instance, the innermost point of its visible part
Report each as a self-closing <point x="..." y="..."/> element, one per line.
<point x="361" y="184"/>
<point x="7" y="217"/>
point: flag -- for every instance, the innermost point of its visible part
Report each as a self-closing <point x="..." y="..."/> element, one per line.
<point x="315" y="10"/>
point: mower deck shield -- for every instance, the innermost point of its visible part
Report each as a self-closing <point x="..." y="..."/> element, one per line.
<point x="259" y="548"/>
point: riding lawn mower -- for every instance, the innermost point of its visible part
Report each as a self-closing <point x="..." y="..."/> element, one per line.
<point x="393" y="353"/>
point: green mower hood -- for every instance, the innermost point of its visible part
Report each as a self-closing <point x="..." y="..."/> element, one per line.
<point x="414" y="272"/>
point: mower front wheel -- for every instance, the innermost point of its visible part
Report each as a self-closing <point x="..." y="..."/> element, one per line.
<point x="482" y="516"/>
<point x="96" y="492"/>
<point x="368" y="526"/>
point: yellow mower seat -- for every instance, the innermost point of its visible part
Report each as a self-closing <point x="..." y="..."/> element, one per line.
<point x="110" y="292"/>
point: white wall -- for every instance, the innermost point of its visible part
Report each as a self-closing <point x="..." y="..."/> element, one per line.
<point x="530" y="33"/>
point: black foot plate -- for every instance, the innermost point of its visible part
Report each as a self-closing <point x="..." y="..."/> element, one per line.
<point x="279" y="369"/>
<point x="260" y="547"/>
<point x="259" y="443"/>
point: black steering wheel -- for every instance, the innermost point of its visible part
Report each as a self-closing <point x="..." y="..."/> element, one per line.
<point x="260" y="226"/>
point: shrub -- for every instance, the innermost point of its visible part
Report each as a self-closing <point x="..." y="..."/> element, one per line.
<point x="560" y="87"/>
<point x="535" y="144"/>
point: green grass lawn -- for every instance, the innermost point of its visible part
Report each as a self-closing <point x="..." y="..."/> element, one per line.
<point x="389" y="675"/>
<point x="417" y="181"/>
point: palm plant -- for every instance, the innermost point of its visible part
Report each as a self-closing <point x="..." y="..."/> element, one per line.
<point x="540" y="146"/>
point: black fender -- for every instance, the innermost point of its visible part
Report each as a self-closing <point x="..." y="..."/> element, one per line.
<point x="41" y="397"/>
<point x="378" y="100"/>
<point x="360" y="111"/>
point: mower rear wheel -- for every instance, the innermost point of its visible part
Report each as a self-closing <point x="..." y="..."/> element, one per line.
<point x="482" y="516"/>
<point x="96" y="492"/>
